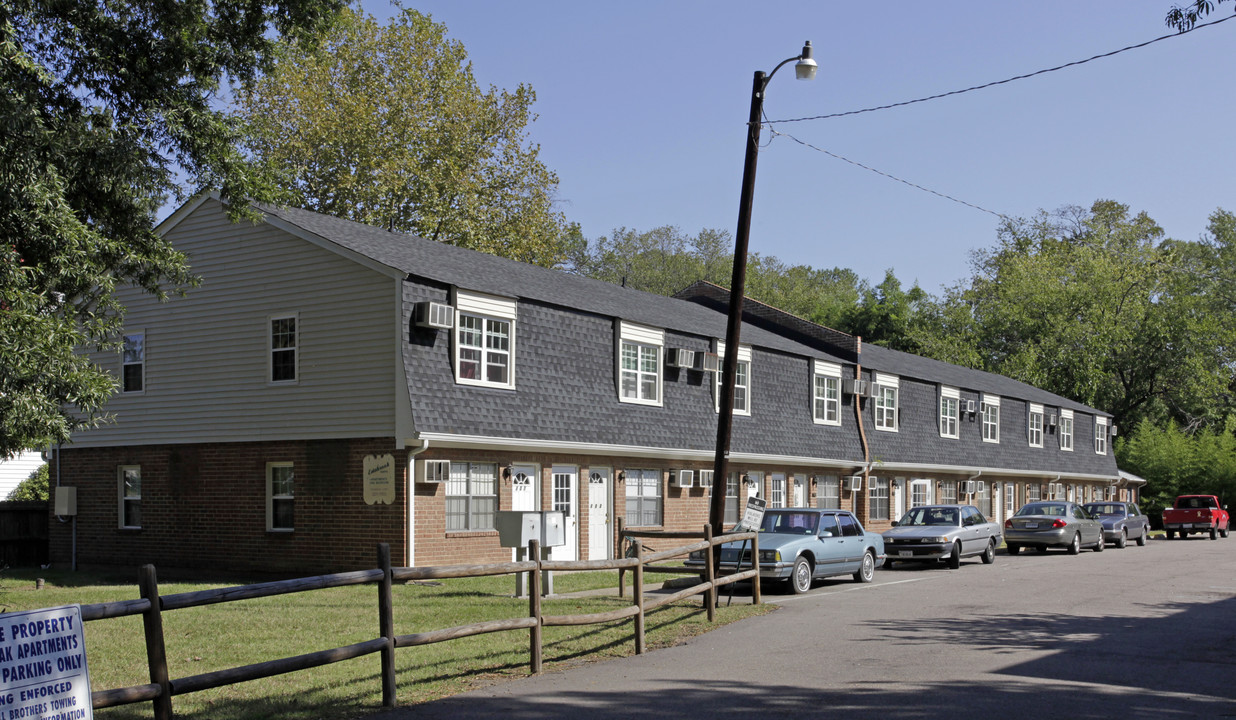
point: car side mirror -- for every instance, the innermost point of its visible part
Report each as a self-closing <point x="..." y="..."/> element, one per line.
<point x="825" y="534"/>
<point x="895" y="523"/>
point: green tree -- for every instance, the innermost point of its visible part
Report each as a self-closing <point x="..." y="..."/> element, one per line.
<point x="106" y="109"/>
<point x="1095" y="306"/>
<point x="889" y="316"/>
<point x="386" y="125"/>
<point x="1175" y="461"/>
<point x="1184" y="18"/>
<point x="34" y="487"/>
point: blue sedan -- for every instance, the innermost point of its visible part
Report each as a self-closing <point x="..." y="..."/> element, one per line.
<point x="799" y="545"/>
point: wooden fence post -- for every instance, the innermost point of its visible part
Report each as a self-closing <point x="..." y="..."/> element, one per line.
<point x="622" y="572"/>
<point x="534" y="606"/>
<point x="156" y="653"/>
<point x="710" y="597"/>
<point x="639" y="595"/>
<point x="386" y="625"/>
<point x="755" y="561"/>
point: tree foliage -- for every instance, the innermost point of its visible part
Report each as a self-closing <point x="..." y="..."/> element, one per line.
<point x="1095" y="306"/>
<point x="34" y="487"/>
<point x="105" y="109"/>
<point x="386" y="125"/>
<point x="1183" y="18"/>
<point x="1177" y="462"/>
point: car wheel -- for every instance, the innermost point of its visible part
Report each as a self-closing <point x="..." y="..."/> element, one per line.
<point x="800" y="580"/>
<point x="989" y="555"/>
<point x="1101" y="545"/>
<point x="1013" y="549"/>
<point x="866" y="572"/>
<point x="1214" y="534"/>
<point x="888" y="564"/>
<point x="1075" y="546"/>
<point x="1141" y="539"/>
<point x="1223" y="533"/>
<point x="1123" y="540"/>
<point x="1171" y="534"/>
<point x="954" y="560"/>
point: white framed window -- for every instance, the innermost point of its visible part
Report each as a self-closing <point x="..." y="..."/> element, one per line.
<point x="950" y="411"/>
<point x="129" y="490"/>
<point x="1034" y="492"/>
<point x="776" y="490"/>
<point x="826" y="393"/>
<point x="878" y="499"/>
<point x="643" y="497"/>
<point x="827" y="491"/>
<point x="284" y="352"/>
<point x="1066" y="430"/>
<point x="742" y="381"/>
<point x="948" y="492"/>
<point x="639" y="363"/>
<point x="991" y="418"/>
<point x="471" y="496"/>
<point x="887" y="387"/>
<point x="133" y="363"/>
<point x="484" y="340"/>
<point x="1034" y="426"/>
<point x="280" y="497"/>
<point x="732" y="484"/>
<point x="920" y="492"/>
<point x="1100" y="435"/>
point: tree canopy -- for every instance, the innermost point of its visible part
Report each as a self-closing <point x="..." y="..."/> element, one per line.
<point x="106" y="110"/>
<point x="386" y="125"/>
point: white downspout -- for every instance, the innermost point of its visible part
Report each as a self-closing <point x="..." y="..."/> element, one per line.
<point x="411" y="525"/>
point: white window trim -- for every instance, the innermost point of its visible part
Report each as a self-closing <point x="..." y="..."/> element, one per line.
<point x="120" y="471"/>
<point x="1066" y="415"/>
<point x="829" y="371"/>
<point x="639" y="336"/>
<point x="141" y="363"/>
<point x="887" y="382"/>
<point x="486" y="307"/>
<point x="954" y="394"/>
<point x="1100" y="435"/>
<point x="990" y="401"/>
<point x="271" y="349"/>
<point x="744" y="356"/>
<point x="778" y="488"/>
<point x="1035" y="411"/>
<point x="271" y="497"/>
<point x="927" y="484"/>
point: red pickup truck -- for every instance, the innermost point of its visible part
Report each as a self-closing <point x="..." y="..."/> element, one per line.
<point x="1196" y="513"/>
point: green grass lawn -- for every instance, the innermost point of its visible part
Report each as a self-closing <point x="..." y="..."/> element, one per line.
<point x="215" y="637"/>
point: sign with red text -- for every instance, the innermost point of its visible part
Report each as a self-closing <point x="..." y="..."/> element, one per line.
<point x="43" y="674"/>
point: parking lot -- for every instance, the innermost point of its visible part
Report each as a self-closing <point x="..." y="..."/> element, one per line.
<point x="1143" y="632"/>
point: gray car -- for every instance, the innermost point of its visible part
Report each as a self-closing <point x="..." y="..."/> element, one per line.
<point x="1122" y="521"/>
<point x="930" y="533"/>
<point x="1053" y="523"/>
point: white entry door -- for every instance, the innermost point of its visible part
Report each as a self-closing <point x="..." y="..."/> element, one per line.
<point x="566" y="500"/>
<point x="799" y="499"/>
<point x="599" y="541"/>
<point x="525" y="490"/>
<point x="899" y="498"/>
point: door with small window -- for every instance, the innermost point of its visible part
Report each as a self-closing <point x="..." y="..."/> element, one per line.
<point x="599" y="541"/>
<point x="566" y="500"/>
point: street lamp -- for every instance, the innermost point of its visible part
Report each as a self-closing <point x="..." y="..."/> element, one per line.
<point x="804" y="69"/>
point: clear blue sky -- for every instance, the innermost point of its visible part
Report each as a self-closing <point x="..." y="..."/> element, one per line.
<point x="642" y="107"/>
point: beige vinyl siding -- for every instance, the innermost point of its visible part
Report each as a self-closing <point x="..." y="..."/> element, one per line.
<point x="207" y="366"/>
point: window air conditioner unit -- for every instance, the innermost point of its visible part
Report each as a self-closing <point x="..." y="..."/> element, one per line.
<point x="710" y="362"/>
<point x="971" y="407"/>
<point x="705" y="477"/>
<point x="854" y="483"/>
<point x="1113" y="428"/>
<point x="1051" y="420"/>
<point x="980" y="486"/>
<point x="968" y="487"/>
<point x="855" y="387"/>
<point x="682" y="478"/>
<point x="434" y="315"/>
<point x="679" y="358"/>
<point x="436" y="471"/>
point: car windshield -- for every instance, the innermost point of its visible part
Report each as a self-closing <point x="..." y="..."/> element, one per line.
<point x="929" y="516"/>
<point x="796" y="523"/>
<point x="1105" y="509"/>
<point x="1047" y="508"/>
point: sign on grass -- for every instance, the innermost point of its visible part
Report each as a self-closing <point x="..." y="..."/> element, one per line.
<point x="43" y="674"/>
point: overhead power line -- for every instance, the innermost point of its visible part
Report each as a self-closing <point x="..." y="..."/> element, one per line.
<point x="1007" y="80"/>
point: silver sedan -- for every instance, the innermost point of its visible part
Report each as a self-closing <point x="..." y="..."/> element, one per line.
<point x="941" y="532"/>
<point x="1053" y="523"/>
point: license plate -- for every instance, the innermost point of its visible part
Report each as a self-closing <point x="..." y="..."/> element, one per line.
<point x="1200" y="525"/>
<point x="905" y="553"/>
<point x="1031" y="526"/>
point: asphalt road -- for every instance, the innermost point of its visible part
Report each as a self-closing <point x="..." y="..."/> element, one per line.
<point x="1144" y="632"/>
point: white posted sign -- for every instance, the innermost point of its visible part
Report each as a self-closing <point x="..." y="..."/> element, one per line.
<point x="43" y="673"/>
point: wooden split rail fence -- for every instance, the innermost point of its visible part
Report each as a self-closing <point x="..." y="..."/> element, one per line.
<point x="151" y="606"/>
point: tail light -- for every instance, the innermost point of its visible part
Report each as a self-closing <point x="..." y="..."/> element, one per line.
<point x="1008" y="524"/>
<point x="1058" y="523"/>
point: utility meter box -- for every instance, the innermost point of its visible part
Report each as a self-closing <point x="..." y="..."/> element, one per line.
<point x="66" y="500"/>
<point x="517" y="528"/>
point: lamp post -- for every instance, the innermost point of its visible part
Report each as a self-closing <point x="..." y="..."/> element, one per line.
<point x="804" y="69"/>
